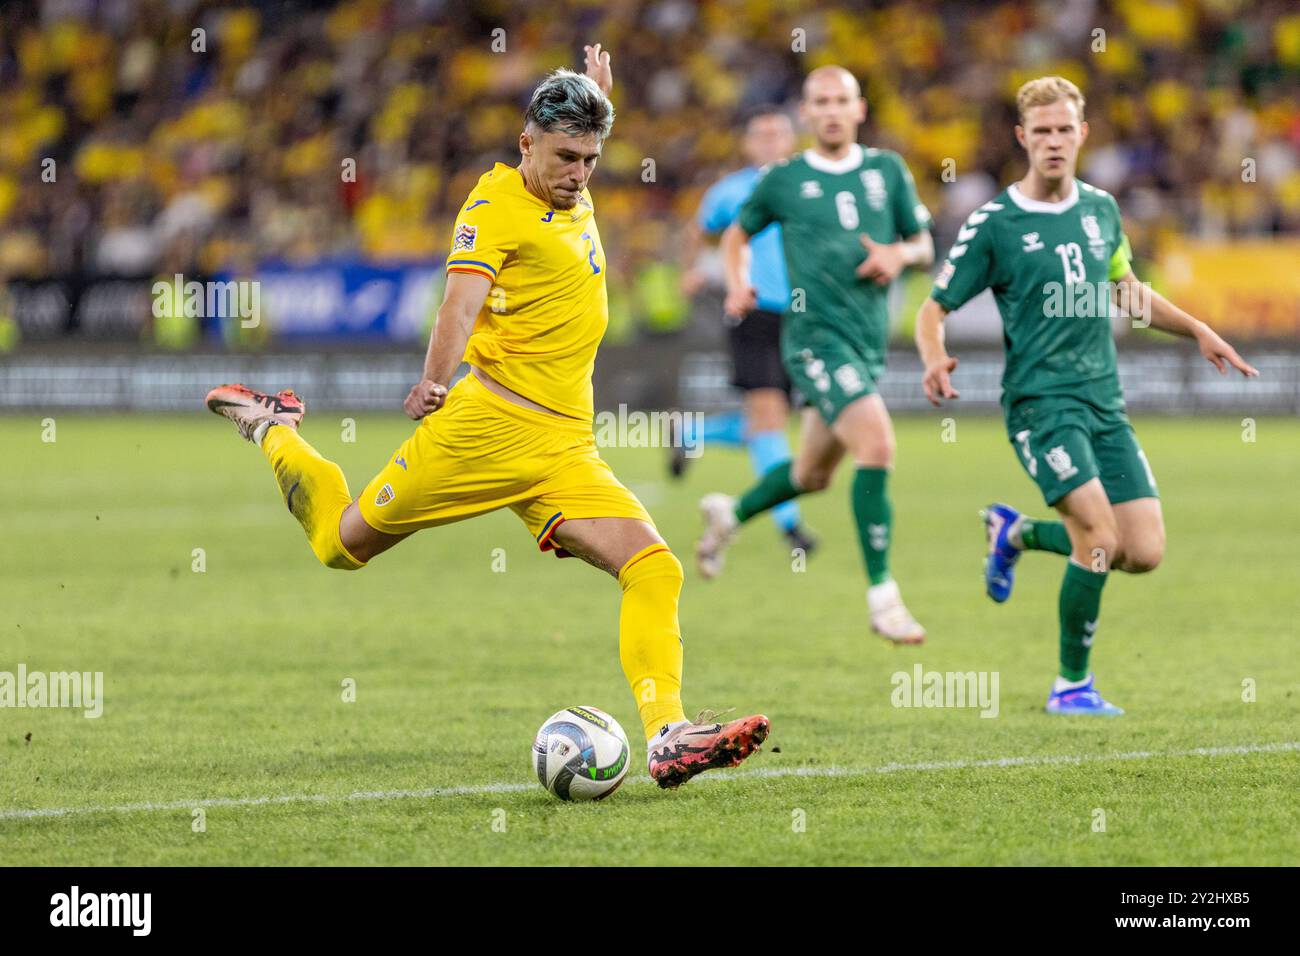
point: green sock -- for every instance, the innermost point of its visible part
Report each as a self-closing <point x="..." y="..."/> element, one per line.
<point x="774" y="487"/>
<point x="875" y="516"/>
<point x="1038" y="535"/>
<point x="1079" y="608"/>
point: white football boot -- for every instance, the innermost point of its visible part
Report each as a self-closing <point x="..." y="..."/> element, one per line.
<point x="254" y="412"/>
<point x="719" y="513"/>
<point x="890" y="617"/>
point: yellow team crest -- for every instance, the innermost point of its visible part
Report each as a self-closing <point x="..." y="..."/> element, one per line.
<point x="385" y="495"/>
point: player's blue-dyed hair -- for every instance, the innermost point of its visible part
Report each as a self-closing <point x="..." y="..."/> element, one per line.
<point x="570" y="103"/>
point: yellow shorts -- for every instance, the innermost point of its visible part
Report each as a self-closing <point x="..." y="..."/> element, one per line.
<point x="479" y="453"/>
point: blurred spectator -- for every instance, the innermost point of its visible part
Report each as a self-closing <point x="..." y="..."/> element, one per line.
<point x="215" y="135"/>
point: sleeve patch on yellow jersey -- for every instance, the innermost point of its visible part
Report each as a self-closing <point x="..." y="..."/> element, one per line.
<point x="465" y="238"/>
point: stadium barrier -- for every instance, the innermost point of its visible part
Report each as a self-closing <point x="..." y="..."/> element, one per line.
<point x="350" y="335"/>
<point x="655" y="375"/>
<point x="335" y="300"/>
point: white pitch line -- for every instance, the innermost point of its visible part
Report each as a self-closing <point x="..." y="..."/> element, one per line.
<point x="767" y="773"/>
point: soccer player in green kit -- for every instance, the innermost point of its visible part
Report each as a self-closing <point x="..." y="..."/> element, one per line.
<point x="850" y="223"/>
<point x="1044" y="242"/>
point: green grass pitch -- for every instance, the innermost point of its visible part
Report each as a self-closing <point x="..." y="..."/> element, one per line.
<point x="224" y="689"/>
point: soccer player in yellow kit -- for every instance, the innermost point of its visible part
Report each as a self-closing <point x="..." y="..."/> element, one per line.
<point x="525" y="307"/>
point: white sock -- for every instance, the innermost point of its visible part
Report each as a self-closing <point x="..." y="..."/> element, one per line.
<point x="1062" y="684"/>
<point x="884" y="595"/>
<point x="260" y="431"/>
<point x="664" y="732"/>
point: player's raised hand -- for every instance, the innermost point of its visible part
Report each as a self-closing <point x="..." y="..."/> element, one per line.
<point x="598" y="68"/>
<point x="425" y="398"/>
<point x="938" y="382"/>
<point x="1220" y="354"/>
<point x="739" y="303"/>
<point x="883" y="262"/>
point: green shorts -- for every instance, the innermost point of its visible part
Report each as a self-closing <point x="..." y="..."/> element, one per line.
<point x="830" y="371"/>
<point x="1063" y="442"/>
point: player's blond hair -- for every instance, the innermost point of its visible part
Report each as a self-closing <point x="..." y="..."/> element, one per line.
<point x="1047" y="90"/>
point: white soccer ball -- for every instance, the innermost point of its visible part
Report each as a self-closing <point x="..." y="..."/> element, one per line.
<point x="580" y="753"/>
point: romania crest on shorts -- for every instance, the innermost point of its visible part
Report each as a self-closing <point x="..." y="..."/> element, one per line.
<point x="385" y="495"/>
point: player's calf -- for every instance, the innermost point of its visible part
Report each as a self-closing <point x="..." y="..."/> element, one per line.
<point x="313" y="488"/>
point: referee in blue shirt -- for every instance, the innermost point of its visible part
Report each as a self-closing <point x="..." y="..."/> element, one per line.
<point x="755" y="338"/>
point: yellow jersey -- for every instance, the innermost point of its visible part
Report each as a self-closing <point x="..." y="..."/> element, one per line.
<point x="547" y="309"/>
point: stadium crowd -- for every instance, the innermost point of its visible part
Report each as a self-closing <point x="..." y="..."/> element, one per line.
<point x="158" y="137"/>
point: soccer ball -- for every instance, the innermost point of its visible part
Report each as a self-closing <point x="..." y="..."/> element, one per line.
<point x="580" y="754"/>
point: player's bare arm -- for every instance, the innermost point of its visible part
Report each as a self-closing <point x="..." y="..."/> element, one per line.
<point x="1169" y="318"/>
<point x="742" y="298"/>
<point x="693" y="277"/>
<point x="939" y="365"/>
<point x="885" y="261"/>
<point x="464" y="297"/>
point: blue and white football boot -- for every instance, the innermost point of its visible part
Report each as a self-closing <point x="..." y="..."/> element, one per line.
<point x="1000" y="564"/>
<point x="1081" y="700"/>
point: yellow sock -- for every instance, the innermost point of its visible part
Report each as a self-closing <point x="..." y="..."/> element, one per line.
<point x="649" y="638"/>
<point x="315" y="491"/>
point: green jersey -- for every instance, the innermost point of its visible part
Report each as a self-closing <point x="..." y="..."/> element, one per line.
<point x="824" y="207"/>
<point x="1050" y="266"/>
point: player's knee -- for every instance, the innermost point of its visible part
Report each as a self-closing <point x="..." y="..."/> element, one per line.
<point x="1141" y="557"/>
<point x="327" y="544"/>
<point x="1099" y="547"/>
<point x="877" y="452"/>
<point x="1098" y="537"/>
<point x="672" y="568"/>
<point x="766" y="412"/>
<point x="335" y="556"/>
<point x="812" y="479"/>
<point x="342" y="562"/>
<point x="1141" y="563"/>
<point x="1104" y="544"/>
<point x="662" y="564"/>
